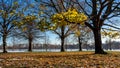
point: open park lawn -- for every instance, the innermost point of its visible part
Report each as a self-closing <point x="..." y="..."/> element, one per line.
<point x="59" y="60"/>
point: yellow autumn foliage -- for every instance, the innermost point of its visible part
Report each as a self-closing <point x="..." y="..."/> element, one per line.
<point x="71" y="16"/>
<point x="15" y="3"/>
<point x="77" y="33"/>
<point x="24" y="22"/>
<point x="24" y="29"/>
<point x="111" y="34"/>
<point x="11" y="13"/>
<point x="29" y="18"/>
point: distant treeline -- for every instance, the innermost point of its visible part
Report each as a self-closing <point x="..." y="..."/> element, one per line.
<point x="112" y="45"/>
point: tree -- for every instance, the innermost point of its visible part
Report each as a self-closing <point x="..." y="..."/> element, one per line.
<point x="85" y="35"/>
<point x="58" y="7"/>
<point x="8" y="14"/>
<point x="98" y="12"/>
<point x="64" y="19"/>
<point x="27" y="29"/>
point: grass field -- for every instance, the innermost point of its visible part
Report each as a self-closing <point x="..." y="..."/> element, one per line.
<point x="60" y="60"/>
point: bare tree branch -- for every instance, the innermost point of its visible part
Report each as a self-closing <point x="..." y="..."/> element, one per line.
<point x="111" y="26"/>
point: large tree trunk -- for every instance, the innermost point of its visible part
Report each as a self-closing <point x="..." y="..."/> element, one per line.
<point x="98" y="42"/>
<point x="30" y="45"/>
<point x="62" y="39"/>
<point x="62" y="45"/>
<point x="4" y="44"/>
<point x="80" y="43"/>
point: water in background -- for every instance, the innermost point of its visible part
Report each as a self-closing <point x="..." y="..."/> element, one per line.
<point x="49" y="50"/>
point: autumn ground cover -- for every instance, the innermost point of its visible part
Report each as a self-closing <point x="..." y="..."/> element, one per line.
<point x="60" y="60"/>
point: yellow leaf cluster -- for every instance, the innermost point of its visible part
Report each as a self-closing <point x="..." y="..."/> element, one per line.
<point x="15" y="3"/>
<point x="41" y="12"/>
<point x="58" y="19"/>
<point x="24" y="22"/>
<point x="5" y="15"/>
<point x="24" y="29"/>
<point x="71" y="16"/>
<point x="53" y="27"/>
<point x="11" y="14"/>
<point x="111" y="34"/>
<point x="77" y="33"/>
<point x="29" y="18"/>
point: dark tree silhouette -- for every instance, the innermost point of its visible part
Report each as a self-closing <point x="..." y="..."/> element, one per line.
<point x="98" y="12"/>
<point x="8" y="15"/>
<point x="56" y="7"/>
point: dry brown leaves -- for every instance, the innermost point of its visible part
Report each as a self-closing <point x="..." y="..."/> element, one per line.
<point x="60" y="60"/>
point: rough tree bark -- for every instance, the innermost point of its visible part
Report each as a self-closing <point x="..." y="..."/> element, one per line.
<point x="80" y="43"/>
<point x="30" y="45"/>
<point x="4" y="44"/>
<point x="62" y="45"/>
<point x="98" y="42"/>
<point x="62" y="39"/>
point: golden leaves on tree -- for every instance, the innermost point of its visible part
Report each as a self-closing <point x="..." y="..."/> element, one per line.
<point x="111" y="34"/>
<point x="71" y="18"/>
<point x="25" y="20"/>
